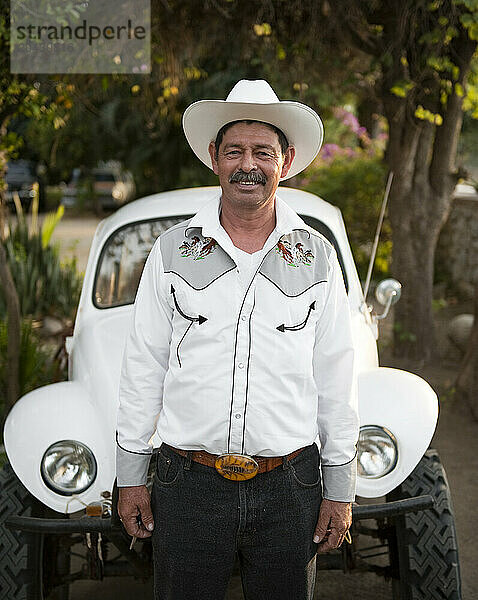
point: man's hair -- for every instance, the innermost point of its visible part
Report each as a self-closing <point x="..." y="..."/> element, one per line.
<point x="284" y="144"/>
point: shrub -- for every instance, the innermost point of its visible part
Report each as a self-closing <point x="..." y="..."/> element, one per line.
<point x="45" y="285"/>
<point x="37" y="361"/>
<point x="352" y="177"/>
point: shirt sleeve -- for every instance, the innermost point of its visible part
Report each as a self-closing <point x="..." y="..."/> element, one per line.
<point x="144" y="366"/>
<point x="338" y="421"/>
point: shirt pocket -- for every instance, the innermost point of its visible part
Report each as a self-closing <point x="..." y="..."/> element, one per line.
<point x="298" y="319"/>
<point x="285" y="331"/>
<point x="297" y="316"/>
<point x="186" y="318"/>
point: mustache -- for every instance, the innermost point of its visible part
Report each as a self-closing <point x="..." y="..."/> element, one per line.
<point x="251" y="177"/>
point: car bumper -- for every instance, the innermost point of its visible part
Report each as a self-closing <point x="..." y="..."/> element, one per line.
<point x="105" y="525"/>
<point x="24" y="195"/>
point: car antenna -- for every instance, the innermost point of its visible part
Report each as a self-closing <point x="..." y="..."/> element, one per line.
<point x="377" y="234"/>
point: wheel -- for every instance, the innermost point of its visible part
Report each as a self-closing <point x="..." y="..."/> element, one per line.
<point x="28" y="562"/>
<point x="426" y="547"/>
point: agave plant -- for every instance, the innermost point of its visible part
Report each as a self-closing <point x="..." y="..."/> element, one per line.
<point x="45" y="285"/>
<point x="37" y="366"/>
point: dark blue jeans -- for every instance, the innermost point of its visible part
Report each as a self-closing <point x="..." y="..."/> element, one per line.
<point x="202" y="520"/>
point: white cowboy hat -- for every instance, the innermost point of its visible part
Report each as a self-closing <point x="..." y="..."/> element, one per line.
<point x="257" y="101"/>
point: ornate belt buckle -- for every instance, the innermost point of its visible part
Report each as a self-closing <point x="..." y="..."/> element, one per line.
<point x="237" y="467"/>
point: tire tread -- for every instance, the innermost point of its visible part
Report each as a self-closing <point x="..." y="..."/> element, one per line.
<point x="16" y="548"/>
<point x="427" y="543"/>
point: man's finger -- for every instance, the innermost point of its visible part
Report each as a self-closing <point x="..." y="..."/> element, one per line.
<point x="321" y="527"/>
<point x="332" y="541"/>
<point x="335" y="537"/>
<point x="134" y="526"/>
<point x="130" y="523"/>
<point x="147" y="516"/>
<point x="324" y="546"/>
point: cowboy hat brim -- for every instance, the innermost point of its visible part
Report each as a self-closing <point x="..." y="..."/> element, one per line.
<point x="301" y="125"/>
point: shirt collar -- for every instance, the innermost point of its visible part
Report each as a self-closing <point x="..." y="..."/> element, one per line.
<point x="207" y="218"/>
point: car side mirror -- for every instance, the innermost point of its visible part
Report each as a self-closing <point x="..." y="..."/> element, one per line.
<point x="387" y="292"/>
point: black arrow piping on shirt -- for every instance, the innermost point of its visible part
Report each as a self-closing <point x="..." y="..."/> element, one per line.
<point x="299" y="325"/>
<point x="181" y="341"/>
<point x="199" y="319"/>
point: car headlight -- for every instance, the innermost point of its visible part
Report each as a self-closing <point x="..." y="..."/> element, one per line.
<point x="68" y="467"/>
<point x="377" y="452"/>
<point x="117" y="193"/>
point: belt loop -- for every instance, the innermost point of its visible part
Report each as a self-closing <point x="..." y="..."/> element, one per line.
<point x="285" y="463"/>
<point x="187" y="462"/>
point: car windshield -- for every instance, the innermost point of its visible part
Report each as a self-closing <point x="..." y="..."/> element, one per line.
<point x="124" y="254"/>
<point x="104" y="177"/>
<point x="18" y="171"/>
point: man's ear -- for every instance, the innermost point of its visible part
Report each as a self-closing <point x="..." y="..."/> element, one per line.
<point x="288" y="158"/>
<point x="212" y="154"/>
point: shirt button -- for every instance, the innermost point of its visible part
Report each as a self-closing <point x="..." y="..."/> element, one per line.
<point x="241" y="365"/>
<point x="238" y="416"/>
<point x="243" y="318"/>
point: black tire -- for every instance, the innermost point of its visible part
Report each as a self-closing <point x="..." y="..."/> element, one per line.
<point x="27" y="561"/>
<point x="426" y="545"/>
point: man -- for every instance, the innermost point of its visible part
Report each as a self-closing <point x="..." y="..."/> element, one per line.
<point x="240" y="355"/>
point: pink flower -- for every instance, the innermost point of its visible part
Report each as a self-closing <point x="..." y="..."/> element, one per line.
<point x="329" y="151"/>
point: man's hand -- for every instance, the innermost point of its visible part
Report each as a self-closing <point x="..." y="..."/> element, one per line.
<point x="334" y="521"/>
<point x="134" y="509"/>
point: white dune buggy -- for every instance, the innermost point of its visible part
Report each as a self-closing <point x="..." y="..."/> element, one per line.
<point x="58" y="489"/>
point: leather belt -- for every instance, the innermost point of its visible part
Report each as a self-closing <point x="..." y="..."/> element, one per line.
<point x="265" y="463"/>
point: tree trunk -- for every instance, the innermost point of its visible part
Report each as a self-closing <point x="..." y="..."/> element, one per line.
<point x="412" y="264"/>
<point x="422" y="156"/>
<point x="467" y="380"/>
<point x="417" y="212"/>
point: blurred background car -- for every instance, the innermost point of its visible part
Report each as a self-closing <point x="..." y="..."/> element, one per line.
<point x="22" y="175"/>
<point x="107" y="186"/>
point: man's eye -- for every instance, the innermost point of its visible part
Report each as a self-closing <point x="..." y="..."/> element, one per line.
<point x="232" y="153"/>
<point x="264" y="154"/>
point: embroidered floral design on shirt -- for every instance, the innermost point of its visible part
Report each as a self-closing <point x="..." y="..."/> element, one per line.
<point x="294" y="256"/>
<point x="198" y="249"/>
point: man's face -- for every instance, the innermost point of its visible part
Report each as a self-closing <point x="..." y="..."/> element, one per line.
<point x="250" y="164"/>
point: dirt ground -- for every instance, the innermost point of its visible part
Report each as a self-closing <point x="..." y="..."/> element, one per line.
<point x="456" y="439"/>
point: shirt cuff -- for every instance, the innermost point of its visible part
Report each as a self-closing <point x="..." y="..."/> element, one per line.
<point x="131" y="468"/>
<point x="338" y="481"/>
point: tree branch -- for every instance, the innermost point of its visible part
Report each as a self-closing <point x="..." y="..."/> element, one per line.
<point x="446" y="138"/>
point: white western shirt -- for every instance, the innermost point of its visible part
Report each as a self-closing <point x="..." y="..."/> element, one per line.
<point x="225" y="355"/>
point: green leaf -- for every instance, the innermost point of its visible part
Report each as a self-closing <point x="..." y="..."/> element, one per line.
<point x="426" y="115"/>
<point x="467" y="20"/>
<point x="402" y="88"/>
<point x="440" y="63"/>
<point x="49" y="224"/>
<point x="472" y="5"/>
<point x="280" y="52"/>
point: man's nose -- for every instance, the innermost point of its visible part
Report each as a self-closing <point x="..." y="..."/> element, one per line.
<point x="248" y="163"/>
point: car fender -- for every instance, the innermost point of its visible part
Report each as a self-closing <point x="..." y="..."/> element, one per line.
<point x="60" y="411"/>
<point x="407" y="406"/>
